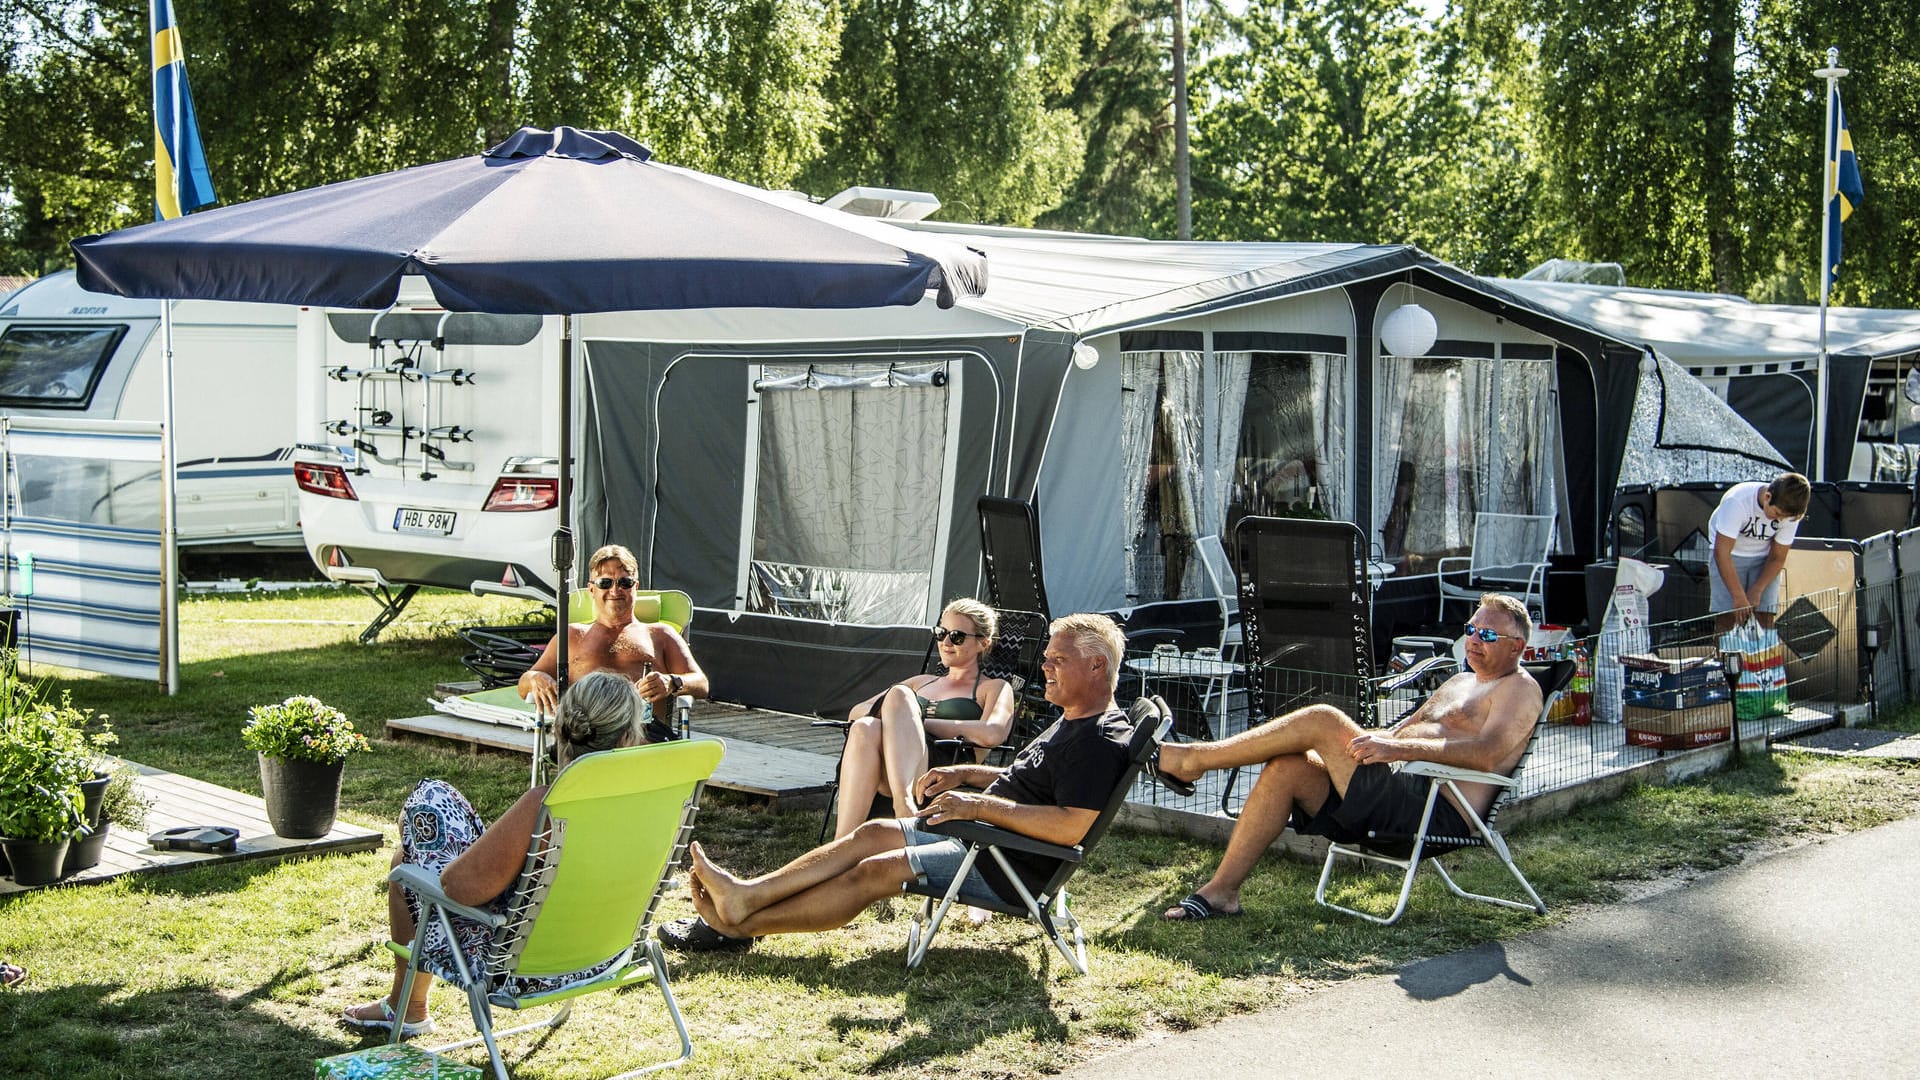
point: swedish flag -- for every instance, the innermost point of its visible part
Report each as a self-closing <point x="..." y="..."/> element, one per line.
<point x="1844" y="193"/>
<point x="181" y="183"/>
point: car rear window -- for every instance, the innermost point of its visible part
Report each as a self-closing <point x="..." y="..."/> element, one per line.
<point x="54" y="367"/>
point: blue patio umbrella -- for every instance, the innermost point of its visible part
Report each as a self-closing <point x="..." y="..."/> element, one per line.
<point x="562" y="222"/>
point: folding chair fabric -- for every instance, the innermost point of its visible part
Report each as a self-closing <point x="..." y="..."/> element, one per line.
<point x="1427" y="847"/>
<point x="610" y="831"/>
<point x="1049" y="907"/>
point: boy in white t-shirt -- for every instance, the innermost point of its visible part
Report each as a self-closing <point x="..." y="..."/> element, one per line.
<point x="1753" y="529"/>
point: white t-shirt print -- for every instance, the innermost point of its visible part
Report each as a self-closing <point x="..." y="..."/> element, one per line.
<point x="1739" y="516"/>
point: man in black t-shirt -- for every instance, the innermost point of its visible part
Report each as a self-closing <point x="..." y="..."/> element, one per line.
<point x="1053" y="791"/>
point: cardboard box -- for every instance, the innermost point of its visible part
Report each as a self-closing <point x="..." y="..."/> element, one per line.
<point x="1678" y="729"/>
<point x="1672" y="669"/>
<point x="403" y="1062"/>
<point x="1687" y="697"/>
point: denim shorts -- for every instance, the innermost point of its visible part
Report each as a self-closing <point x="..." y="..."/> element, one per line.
<point x="935" y="860"/>
<point x="1748" y="568"/>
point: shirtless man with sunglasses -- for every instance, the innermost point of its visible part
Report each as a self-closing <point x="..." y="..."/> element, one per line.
<point x="1327" y="776"/>
<point x="653" y="655"/>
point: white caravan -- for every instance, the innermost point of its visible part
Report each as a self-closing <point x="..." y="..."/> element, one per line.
<point x="66" y="353"/>
<point x="426" y="449"/>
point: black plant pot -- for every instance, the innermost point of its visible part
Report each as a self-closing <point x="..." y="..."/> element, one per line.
<point x="34" y="862"/>
<point x="84" y="853"/>
<point x="302" y="796"/>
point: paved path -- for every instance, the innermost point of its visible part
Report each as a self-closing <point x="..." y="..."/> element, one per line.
<point x="1804" y="964"/>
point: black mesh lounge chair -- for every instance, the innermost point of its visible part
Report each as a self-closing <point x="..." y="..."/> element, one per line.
<point x="1048" y="907"/>
<point x="1408" y="852"/>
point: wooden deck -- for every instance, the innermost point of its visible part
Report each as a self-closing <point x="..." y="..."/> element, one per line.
<point x="776" y="756"/>
<point x="182" y="800"/>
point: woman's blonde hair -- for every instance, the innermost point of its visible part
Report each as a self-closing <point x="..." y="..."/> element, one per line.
<point x="986" y="621"/>
<point x="598" y="712"/>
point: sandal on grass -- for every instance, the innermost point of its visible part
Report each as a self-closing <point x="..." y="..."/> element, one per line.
<point x="12" y="974"/>
<point x="1196" y="908"/>
<point x="385" y="1021"/>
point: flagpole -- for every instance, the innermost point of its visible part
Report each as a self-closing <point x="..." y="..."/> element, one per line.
<point x="169" y="505"/>
<point x="1829" y="177"/>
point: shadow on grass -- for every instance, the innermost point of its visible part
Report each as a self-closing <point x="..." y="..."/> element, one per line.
<point x="97" y="1029"/>
<point x="960" y="998"/>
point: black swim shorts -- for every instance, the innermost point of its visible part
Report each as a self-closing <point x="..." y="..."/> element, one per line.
<point x="1386" y="802"/>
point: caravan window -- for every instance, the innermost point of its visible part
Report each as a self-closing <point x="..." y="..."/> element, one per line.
<point x="1457" y="436"/>
<point x="848" y="499"/>
<point x="54" y="367"/>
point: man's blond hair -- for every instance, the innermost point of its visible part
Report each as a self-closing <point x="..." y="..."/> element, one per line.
<point x="619" y="553"/>
<point x="1094" y="634"/>
<point x="1515" y="611"/>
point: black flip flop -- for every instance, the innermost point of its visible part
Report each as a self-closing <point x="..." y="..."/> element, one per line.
<point x="1182" y="788"/>
<point x="218" y="839"/>
<point x="1199" y="910"/>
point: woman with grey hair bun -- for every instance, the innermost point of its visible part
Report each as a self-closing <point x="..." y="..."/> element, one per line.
<point x="477" y="864"/>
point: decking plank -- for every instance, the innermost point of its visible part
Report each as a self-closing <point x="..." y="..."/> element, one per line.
<point x="183" y="800"/>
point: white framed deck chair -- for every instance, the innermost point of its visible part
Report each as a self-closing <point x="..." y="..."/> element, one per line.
<point x="1048" y="907"/>
<point x="610" y="832"/>
<point x="1509" y="555"/>
<point x="1553" y="678"/>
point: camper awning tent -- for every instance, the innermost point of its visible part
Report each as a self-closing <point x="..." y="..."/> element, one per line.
<point x="814" y="529"/>
<point x="1762" y="357"/>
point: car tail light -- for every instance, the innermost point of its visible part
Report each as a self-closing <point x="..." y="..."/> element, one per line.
<point x="328" y="480"/>
<point x="518" y="493"/>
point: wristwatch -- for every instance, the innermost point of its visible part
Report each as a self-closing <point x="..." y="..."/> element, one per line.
<point x="674" y="683"/>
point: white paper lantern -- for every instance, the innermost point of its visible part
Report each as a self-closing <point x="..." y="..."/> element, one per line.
<point x="1085" y="356"/>
<point x="1409" y="330"/>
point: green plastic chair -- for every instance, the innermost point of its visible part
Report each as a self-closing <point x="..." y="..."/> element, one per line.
<point x="670" y="606"/>
<point x="610" y="832"/>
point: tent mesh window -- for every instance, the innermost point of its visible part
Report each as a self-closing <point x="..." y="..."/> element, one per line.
<point x="1291" y="459"/>
<point x="1459" y="436"/>
<point x="847" y="508"/>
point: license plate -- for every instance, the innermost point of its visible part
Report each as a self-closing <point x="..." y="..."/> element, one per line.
<point x="427" y="522"/>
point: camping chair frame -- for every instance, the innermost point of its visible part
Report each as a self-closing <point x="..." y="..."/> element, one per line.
<point x="1518" y="565"/>
<point x="1049" y="909"/>
<point x="1553" y="678"/>
<point x="603" y="792"/>
<point x="1015" y="657"/>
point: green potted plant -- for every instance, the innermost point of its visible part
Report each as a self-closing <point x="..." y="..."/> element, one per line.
<point x="85" y="852"/>
<point x="303" y="745"/>
<point x="43" y="761"/>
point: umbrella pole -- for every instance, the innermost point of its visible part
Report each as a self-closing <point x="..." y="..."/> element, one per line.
<point x="562" y="543"/>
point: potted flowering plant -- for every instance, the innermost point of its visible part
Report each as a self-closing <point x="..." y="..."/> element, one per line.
<point x="43" y="762"/>
<point x="303" y="745"/>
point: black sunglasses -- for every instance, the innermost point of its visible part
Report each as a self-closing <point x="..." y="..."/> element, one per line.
<point x="958" y="637"/>
<point x="605" y="583"/>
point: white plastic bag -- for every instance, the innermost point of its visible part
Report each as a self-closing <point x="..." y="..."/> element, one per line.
<point x="1623" y="631"/>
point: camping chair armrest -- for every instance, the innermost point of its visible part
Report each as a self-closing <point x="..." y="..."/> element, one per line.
<point x="1453" y="772"/>
<point x="979" y="832"/>
<point x="1431" y="666"/>
<point x="426" y="885"/>
<point x="1461" y="564"/>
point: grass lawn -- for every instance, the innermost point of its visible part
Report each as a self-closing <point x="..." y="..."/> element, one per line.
<point x="238" y="972"/>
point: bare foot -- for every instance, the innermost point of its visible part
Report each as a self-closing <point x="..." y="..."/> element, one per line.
<point x="1173" y="762"/>
<point x="716" y="894"/>
<point x="379" y="1010"/>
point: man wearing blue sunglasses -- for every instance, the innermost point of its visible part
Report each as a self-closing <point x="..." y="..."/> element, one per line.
<point x="1327" y="776"/>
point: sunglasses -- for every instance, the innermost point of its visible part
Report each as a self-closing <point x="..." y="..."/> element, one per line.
<point x="957" y="637"/>
<point x="1489" y="636"/>
<point x="605" y="583"/>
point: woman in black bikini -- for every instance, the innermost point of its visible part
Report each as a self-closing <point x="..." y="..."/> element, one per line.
<point x="891" y="741"/>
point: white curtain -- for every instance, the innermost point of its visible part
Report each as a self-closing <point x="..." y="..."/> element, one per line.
<point x="847" y="506"/>
<point x="1139" y="403"/>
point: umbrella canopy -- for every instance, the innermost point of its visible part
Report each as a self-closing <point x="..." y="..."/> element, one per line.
<point x="560" y="222"/>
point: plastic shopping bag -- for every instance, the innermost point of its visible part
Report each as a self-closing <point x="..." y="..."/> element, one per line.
<point x="1624" y="631"/>
<point x="1760" y="689"/>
